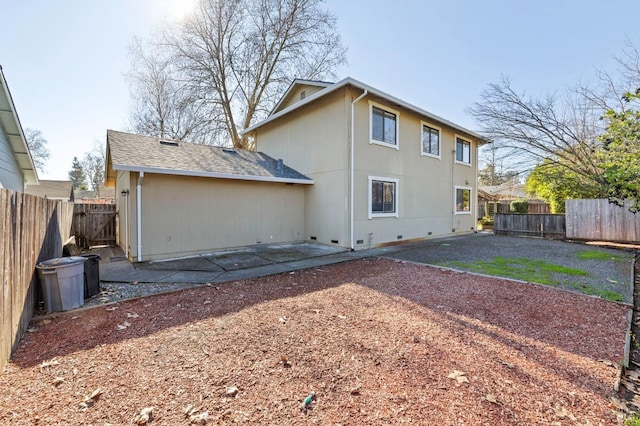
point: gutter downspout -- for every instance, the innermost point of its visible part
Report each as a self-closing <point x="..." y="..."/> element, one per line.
<point x="475" y="186"/>
<point x="126" y="223"/>
<point x="352" y="167"/>
<point x="139" y="215"/>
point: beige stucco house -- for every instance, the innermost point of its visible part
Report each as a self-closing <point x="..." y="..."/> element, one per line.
<point x="177" y="198"/>
<point x="16" y="165"/>
<point x="384" y="170"/>
<point x="341" y="164"/>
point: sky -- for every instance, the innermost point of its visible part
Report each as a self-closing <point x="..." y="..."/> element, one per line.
<point x="66" y="61"/>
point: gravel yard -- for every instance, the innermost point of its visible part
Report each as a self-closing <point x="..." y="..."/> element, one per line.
<point x="378" y="341"/>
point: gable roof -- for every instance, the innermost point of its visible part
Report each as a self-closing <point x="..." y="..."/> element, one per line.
<point x="294" y="86"/>
<point x="52" y="189"/>
<point x="371" y="91"/>
<point x="129" y="152"/>
<point x="13" y="129"/>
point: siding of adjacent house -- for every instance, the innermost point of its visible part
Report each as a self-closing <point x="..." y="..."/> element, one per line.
<point x="10" y="175"/>
<point x="184" y="215"/>
<point x="315" y="140"/>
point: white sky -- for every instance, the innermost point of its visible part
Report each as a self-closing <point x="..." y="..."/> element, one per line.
<point x="65" y="60"/>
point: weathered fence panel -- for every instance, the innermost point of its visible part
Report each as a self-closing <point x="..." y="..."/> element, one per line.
<point x="599" y="220"/>
<point x="535" y="225"/>
<point x="94" y="224"/>
<point x="32" y="229"/>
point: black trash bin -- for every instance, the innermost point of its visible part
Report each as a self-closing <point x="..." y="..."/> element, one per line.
<point x="91" y="275"/>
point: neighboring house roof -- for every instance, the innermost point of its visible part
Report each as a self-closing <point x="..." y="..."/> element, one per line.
<point x="103" y="193"/>
<point x="13" y="129"/>
<point x="126" y="151"/>
<point x="52" y="189"/>
<point x="371" y="91"/>
<point x="506" y="191"/>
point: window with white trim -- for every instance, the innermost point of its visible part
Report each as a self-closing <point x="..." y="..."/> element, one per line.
<point x="383" y="197"/>
<point x="463" y="151"/>
<point x="463" y="200"/>
<point x="384" y="125"/>
<point x="430" y="140"/>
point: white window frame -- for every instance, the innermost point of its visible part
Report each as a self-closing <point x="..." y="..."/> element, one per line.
<point x="373" y="214"/>
<point x="463" y="139"/>
<point x="455" y="199"/>
<point x="395" y="146"/>
<point x="428" y="154"/>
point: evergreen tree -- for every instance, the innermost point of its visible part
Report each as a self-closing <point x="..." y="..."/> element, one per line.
<point x="77" y="175"/>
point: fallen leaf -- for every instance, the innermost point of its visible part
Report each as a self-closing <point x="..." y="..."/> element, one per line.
<point x="49" y="363"/>
<point x="206" y="302"/>
<point x="121" y="327"/>
<point x="341" y="317"/>
<point x="232" y="391"/>
<point x="458" y="376"/>
<point x="199" y="419"/>
<point x="563" y="413"/>
<point x="32" y="329"/>
<point x="75" y="317"/>
<point x="89" y="400"/>
<point x="132" y="315"/>
<point x="145" y="415"/>
<point x="491" y="398"/>
<point x="113" y="308"/>
<point x="58" y="381"/>
<point x="282" y="319"/>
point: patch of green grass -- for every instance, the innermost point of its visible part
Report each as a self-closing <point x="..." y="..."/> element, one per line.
<point x="600" y="255"/>
<point x="593" y="291"/>
<point x="537" y="271"/>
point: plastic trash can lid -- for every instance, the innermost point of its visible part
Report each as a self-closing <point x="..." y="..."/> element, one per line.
<point x="61" y="261"/>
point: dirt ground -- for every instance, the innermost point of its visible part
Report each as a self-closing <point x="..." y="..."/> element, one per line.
<point x="379" y="342"/>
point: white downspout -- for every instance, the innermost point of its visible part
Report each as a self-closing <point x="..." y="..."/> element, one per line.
<point x="126" y="224"/>
<point x="139" y="215"/>
<point x="352" y="167"/>
<point x="475" y="186"/>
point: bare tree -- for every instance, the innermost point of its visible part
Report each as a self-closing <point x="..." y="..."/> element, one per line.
<point x="163" y="106"/>
<point x="529" y="130"/>
<point x="233" y="58"/>
<point x="38" y="147"/>
<point x="93" y="165"/>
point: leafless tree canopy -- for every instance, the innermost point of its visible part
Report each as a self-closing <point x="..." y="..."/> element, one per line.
<point x="38" y="147"/>
<point x="224" y="68"/>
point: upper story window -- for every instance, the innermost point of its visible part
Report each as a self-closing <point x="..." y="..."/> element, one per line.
<point x="384" y="126"/>
<point x="463" y="151"/>
<point x="430" y="140"/>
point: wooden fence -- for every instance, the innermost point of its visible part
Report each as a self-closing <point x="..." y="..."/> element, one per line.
<point x="94" y="224"/>
<point x="534" y="225"/>
<point x="599" y="220"/>
<point x="32" y="229"/>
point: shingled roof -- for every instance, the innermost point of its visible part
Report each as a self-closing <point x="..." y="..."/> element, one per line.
<point x="52" y="189"/>
<point x="126" y="151"/>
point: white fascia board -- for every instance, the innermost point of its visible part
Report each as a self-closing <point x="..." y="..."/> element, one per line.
<point x="211" y="174"/>
<point x="295" y="83"/>
<point x="372" y="91"/>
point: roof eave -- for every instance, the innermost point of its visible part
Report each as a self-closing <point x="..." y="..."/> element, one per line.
<point x="18" y="142"/>
<point x="216" y="175"/>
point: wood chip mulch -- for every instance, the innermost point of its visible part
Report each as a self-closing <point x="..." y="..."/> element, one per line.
<point x="377" y="341"/>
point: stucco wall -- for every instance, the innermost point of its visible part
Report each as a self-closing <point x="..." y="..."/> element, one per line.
<point x="188" y="215"/>
<point x="10" y="175"/>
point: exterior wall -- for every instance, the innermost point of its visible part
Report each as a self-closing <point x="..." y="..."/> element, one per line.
<point x="126" y="229"/>
<point x="10" y="175"/>
<point x="314" y="140"/>
<point x="426" y="185"/>
<point x="294" y="96"/>
<point x="188" y="215"/>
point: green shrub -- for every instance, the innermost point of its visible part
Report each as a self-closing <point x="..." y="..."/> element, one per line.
<point x="519" y="206"/>
<point x="486" y="220"/>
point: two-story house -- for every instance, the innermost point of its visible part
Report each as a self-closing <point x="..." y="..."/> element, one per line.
<point x="383" y="170"/>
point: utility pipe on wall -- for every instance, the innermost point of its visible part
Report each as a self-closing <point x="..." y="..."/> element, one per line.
<point x="139" y="215"/>
<point x="352" y="167"/>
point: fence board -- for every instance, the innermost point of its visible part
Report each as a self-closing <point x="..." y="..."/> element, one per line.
<point x="599" y="220"/>
<point x="94" y="224"/>
<point x="33" y="229"/>
<point x="537" y="225"/>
